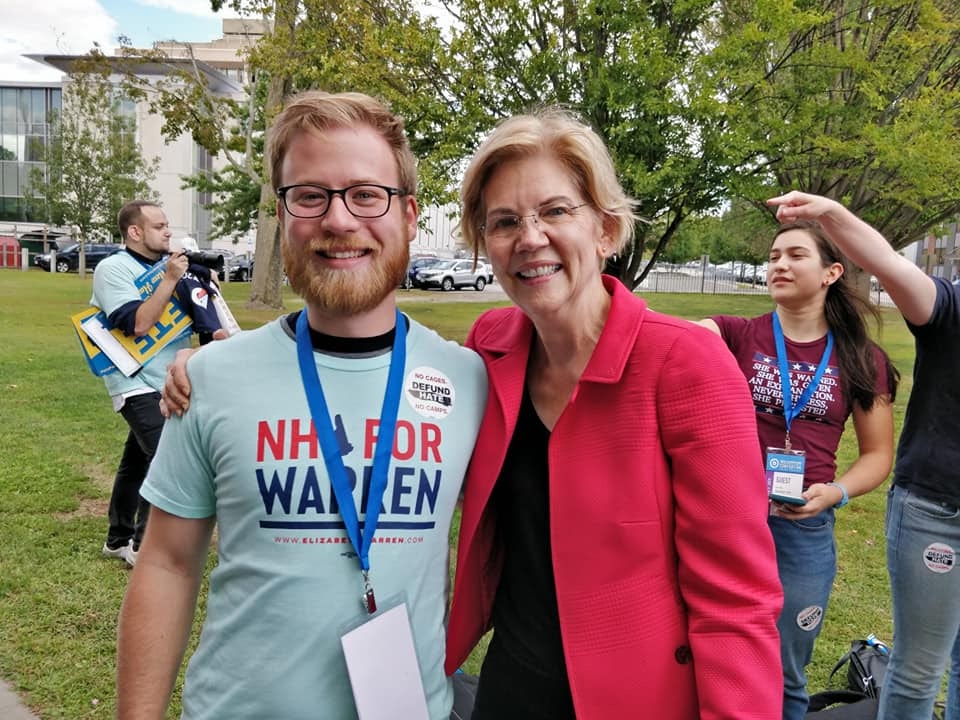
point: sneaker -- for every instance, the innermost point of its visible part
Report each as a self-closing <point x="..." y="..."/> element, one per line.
<point x="130" y="554"/>
<point x="120" y="553"/>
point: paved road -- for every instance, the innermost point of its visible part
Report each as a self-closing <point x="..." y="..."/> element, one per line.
<point x="10" y="706"/>
<point x="491" y="293"/>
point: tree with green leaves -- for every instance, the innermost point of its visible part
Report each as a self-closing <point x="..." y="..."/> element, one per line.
<point x="853" y="99"/>
<point x="742" y="232"/>
<point x="630" y="70"/>
<point x="229" y="128"/>
<point x="699" y="101"/>
<point x="235" y="187"/>
<point x="385" y="48"/>
<point x="93" y="162"/>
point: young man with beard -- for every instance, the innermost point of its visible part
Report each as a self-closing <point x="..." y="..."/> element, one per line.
<point x="146" y="234"/>
<point x="328" y="447"/>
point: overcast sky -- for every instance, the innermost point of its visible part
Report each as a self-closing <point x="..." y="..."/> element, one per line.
<point x="73" y="26"/>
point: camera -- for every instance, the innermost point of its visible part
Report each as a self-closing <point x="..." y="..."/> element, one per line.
<point x="212" y="260"/>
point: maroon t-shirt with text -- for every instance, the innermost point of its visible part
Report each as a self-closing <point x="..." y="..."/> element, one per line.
<point x="819" y="426"/>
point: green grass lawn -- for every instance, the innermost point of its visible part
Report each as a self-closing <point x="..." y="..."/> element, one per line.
<point x="60" y="447"/>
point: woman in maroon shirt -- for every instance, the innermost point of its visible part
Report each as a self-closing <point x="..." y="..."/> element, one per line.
<point x="817" y="337"/>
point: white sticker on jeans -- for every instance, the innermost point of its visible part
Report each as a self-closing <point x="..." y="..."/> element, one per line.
<point x="939" y="558"/>
<point x="809" y="617"/>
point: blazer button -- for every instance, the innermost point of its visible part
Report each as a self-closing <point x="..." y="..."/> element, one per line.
<point x="683" y="655"/>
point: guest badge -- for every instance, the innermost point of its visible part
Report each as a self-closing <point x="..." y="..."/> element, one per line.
<point x="383" y="668"/>
<point x="785" y="468"/>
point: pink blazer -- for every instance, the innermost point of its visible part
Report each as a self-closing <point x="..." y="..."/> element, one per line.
<point x="666" y="575"/>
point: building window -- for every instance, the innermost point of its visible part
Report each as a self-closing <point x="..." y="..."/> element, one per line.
<point x="26" y="115"/>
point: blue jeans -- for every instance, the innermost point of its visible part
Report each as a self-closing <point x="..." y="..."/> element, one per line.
<point x="807" y="562"/>
<point x="923" y="537"/>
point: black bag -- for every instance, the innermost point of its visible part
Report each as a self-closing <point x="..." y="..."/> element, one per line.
<point x="866" y="666"/>
<point x="841" y="705"/>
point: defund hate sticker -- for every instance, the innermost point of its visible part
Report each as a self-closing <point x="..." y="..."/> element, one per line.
<point x="939" y="557"/>
<point x="429" y="392"/>
<point x="809" y="617"/>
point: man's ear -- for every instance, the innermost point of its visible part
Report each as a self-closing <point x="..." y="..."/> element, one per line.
<point x="410" y="215"/>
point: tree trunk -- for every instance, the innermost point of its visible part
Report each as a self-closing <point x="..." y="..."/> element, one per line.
<point x="267" y="264"/>
<point x="861" y="281"/>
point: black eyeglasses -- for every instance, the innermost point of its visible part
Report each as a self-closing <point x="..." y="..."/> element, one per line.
<point x="363" y="201"/>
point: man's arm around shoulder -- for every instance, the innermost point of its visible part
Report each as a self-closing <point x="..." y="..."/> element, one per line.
<point x="157" y="613"/>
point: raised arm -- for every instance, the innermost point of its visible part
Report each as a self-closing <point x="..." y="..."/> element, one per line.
<point x="908" y="286"/>
<point x="157" y="613"/>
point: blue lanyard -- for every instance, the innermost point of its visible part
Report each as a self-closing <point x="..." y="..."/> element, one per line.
<point x="331" y="448"/>
<point x="789" y="410"/>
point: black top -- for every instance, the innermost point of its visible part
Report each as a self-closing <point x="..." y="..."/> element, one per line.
<point x="524" y="674"/>
<point x="195" y="290"/>
<point x="929" y="451"/>
<point x="345" y="346"/>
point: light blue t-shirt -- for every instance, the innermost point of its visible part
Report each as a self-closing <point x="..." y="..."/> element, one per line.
<point x="114" y="285"/>
<point x="288" y="582"/>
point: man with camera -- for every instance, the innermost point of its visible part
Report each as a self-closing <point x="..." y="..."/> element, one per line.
<point x="199" y="293"/>
<point x="146" y="234"/>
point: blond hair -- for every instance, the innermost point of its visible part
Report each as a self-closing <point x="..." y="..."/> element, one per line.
<point x="318" y="111"/>
<point x="578" y="147"/>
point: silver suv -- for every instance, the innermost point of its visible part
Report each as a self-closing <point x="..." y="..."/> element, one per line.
<point x="451" y="274"/>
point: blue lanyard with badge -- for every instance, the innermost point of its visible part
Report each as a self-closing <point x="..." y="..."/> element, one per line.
<point x="382" y="647"/>
<point x="785" y="466"/>
<point x="326" y="434"/>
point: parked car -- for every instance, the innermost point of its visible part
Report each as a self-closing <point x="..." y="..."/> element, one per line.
<point x="36" y="244"/>
<point x="418" y="263"/>
<point x="450" y="274"/>
<point x="239" y="266"/>
<point x="68" y="259"/>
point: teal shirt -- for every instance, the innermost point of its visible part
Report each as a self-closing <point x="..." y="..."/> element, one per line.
<point x="114" y="285"/>
<point x="287" y="584"/>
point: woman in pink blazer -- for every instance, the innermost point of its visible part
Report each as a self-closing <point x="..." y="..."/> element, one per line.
<point x="614" y="529"/>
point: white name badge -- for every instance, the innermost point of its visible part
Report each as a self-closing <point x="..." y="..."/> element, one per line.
<point x="785" y="475"/>
<point x="383" y="668"/>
